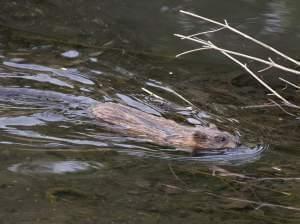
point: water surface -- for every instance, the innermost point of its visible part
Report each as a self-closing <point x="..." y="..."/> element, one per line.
<point x="59" y="165"/>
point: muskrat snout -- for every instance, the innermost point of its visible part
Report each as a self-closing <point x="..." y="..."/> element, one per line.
<point x="217" y="144"/>
<point x="215" y="140"/>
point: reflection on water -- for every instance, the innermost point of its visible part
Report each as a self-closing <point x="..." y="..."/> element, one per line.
<point x="277" y="17"/>
<point x="57" y="167"/>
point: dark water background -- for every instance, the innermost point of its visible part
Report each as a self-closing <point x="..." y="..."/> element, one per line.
<point x="58" y="165"/>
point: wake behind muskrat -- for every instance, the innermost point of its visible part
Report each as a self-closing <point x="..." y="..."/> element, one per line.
<point x="162" y="131"/>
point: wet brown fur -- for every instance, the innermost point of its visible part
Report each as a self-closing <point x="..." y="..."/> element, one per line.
<point x="160" y="130"/>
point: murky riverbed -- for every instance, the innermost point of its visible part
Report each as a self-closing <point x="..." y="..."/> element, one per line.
<point x="58" y="165"/>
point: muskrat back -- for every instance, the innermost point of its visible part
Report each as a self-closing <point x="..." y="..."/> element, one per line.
<point x="160" y="130"/>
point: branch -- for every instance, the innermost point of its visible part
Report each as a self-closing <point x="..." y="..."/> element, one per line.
<point x="281" y="108"/>
<point x="193" y="50"/>
<point x="210" y="45"/>
<point x="206" y="32"/>
<point x="289" y="83"/>
<point x="260" y="204"/>
<point x="226" y="25"/>
<point x="207" y="45"/>
<point x="244" y="66"/>
<point x="170" y="91"/>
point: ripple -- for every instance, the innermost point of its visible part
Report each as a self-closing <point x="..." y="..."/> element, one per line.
<point x="27" y="96"/>
<point x="72" y="74"/>
<point x="44" y="78"/>
<point x="236" y="156"/>
<point x="138" y="105"/>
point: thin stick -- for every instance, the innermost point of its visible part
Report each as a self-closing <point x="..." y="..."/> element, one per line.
<point x="289" y="83"/>
<point x="265" y="69"/>
<point x="175" y="175"/>
<point x="226" y="25"/>
<point x="278" y="178"/>
<point x="173" y="92"/>
<point x="281" y="108"/>
<point x="193" y="50"/>
<point x="206" y="32"/>
<point x="260" y="204"/>
<point x="152" y="94"/>
<point x="218" y="171"/>
<point x="258" y="106"/>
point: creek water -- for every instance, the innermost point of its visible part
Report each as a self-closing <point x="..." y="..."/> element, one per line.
<point x="60" y="165"/>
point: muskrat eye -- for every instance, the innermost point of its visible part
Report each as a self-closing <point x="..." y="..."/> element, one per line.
<point x="220" y="138"/>
<point x="200" y="137"/>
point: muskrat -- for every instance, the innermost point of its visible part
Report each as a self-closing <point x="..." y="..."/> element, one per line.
<point x="162" y="131"/>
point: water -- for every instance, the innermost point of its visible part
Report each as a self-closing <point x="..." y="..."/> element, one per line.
<point x="58" y="165"/>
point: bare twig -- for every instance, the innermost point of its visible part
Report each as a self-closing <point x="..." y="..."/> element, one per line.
<point x="289" y="83"/>
<point x="260" y="204"/>
<point x="173" y="92"/>
<point x="267" y="105"/>
<point x="278" y="178"/>
<point x="216" y="170"/>
<point x="175" y="175"/>
<point x="281" y="108"/>
<point x="152" y="94"/>
<point x="206" y="32"/>
<point x="193" y="50"/>
<point x="265" y="69"/>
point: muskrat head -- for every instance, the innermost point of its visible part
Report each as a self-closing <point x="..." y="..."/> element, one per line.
<point x="214" y="139"/>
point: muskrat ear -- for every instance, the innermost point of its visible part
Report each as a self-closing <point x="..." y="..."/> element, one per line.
<point x="212" y="126"/>
<point x="199" y="137"/>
